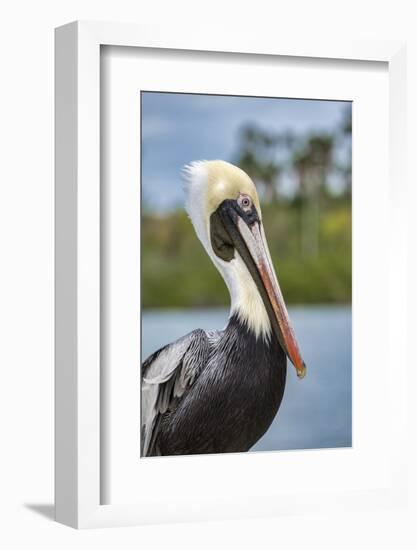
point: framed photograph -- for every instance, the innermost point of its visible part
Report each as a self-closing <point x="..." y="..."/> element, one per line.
<point x="230" y="337"/>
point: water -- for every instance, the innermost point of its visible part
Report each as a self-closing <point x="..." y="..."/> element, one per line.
<point x="316" y="412"/>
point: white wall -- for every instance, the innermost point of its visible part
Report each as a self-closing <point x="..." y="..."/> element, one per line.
<point x="26" y="272"/>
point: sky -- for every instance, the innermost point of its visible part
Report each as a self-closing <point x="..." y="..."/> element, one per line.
<point x="180" y="128"/>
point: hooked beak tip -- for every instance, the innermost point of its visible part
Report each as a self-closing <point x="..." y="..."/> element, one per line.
<point x="302" y="372"/>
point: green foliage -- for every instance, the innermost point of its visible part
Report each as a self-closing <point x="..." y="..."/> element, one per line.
<point x="176" y="271"/>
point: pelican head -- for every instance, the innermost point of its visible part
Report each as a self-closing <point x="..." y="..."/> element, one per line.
<point x="224" y="208"/>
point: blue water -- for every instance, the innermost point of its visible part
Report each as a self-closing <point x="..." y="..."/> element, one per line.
<point x="316" y="412"/>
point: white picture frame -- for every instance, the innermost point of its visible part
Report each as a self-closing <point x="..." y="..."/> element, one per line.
<point x="78" y="449"/>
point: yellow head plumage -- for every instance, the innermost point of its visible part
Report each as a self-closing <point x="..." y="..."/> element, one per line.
<point x="213" y="181"/>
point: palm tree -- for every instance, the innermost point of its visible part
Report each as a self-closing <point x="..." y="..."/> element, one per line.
<point x="312" y="163"/>
<point x="345" y="136"/>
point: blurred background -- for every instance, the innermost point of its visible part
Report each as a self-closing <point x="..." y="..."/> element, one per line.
<point x="298" y="153"/>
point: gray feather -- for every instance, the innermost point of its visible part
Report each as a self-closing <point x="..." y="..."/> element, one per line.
<point x="166" y="376"/>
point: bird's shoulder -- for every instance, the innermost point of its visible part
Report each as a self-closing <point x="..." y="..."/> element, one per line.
<point x="190" y="352"/>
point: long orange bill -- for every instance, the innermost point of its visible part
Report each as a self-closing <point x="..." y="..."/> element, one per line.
<point x="254" y="238"/>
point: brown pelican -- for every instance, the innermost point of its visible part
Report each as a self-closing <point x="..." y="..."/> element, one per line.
<point x="219" y="391"/>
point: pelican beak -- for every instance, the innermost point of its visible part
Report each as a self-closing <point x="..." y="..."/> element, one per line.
<point x="234" y="229"/>
<point x="256" y="247"/>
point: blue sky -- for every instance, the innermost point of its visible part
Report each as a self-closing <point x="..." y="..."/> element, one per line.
<point x="180" y="128"/>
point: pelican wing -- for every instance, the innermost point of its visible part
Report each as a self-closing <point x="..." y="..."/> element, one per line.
<point x="166" y="375"/>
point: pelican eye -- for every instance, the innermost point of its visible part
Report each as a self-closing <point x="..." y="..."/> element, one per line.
<point x="245" y="202"/>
